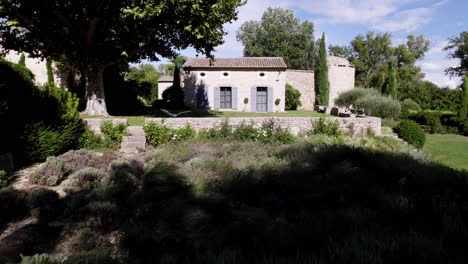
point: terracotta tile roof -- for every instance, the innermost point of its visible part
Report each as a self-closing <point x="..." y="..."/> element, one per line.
<point x="243" y="63"/>
<point x="166" y="78"/>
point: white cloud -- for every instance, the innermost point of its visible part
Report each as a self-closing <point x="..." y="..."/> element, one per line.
<point x="408" y="20"/>
<point x="384" y="15"/>
<point x="348" y="11"/>
<point x="436" y="61"/>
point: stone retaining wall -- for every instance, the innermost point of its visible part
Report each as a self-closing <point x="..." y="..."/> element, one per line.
<point x="95" y="123"/>
<point x="351" y="126"/>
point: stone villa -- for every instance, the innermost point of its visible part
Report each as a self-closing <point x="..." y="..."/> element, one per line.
<point x="248" y="84"/>
<point x="253" y="84"/>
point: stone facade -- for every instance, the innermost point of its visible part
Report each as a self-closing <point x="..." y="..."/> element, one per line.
<point x="226" y="83"/>
<point x="340" y="75"/>
<point x="304" y="81"/>
<point x="297" y="125"/>
<point x="203" y="91"/>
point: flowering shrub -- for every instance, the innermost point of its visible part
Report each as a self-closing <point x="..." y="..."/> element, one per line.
<point x="323" y="127"/>
<point x="159" y="133"/>
<point x="270" y="131"/>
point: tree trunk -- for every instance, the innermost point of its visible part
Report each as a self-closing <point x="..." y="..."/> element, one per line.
<point x="95" y="97"/>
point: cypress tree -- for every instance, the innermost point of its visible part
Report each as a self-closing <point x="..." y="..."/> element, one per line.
<point x="380" y="84"/>
<point x="322" y="85"/>
<point x="464" y="103"/>
<point x="22" y="60"/>
<point x="391" y="86"/>
<point x="50" y="74"/>
<point x="393" y="83"/>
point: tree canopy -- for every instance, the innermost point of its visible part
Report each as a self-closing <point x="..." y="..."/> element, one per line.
<point x="459" y="50"/>
<point x="279" y="34"/>
<point x="340" y="51"/>
<point x="93" y="35"/>
<point x="146" y="77"/>
<point x="374" y="56"/>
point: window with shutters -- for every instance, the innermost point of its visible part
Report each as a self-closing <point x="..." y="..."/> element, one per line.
<point x="225" y="100"/>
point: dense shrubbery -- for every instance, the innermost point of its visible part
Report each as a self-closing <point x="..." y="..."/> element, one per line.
<point x="248" y="202"/>
<point x="379" y="106"/>
<point x="370" y="101"/>
<point x="436" y="122"/>
<point x="72" y="259"/>
<point x="40" y="121"/>
<point x="430" y="96"/>
<point x="410" y="105"/>
<point x="349" y="98"/>
<point x="173" y="97"/>
<point x="113" y="134"/>
<point x="464" y="127"/>
<point x="269" y="131"/>
<point x="5" y="178"/>
<point x="158" y="133"/>
<point x="411" y="132"/>
<point x="323" y="127"/>
<point x="51" y="173"/>
<point x="292" y="98"/>
<point x="111" y="139"/>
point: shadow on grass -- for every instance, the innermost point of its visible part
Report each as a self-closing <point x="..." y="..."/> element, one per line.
<point x="331" y="204"/>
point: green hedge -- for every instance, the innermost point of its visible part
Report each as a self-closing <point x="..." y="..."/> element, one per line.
<point x="437" y="122"/>
<point x="38" y="121"/>
<point x="411" y="132"/>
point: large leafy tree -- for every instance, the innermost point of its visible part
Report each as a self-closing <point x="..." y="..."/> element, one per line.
<point x="340" y="51"/>
<point x="371" y="54"/>
<point x="374" y="56"/>
<point x="146" y="76"/>
<point x="279" y="34"/>
<point x="92" y="35"/>
<point x="459" y="50"/>
<point x="322" y="85"/>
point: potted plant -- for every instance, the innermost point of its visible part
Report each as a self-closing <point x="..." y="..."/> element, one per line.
<point x="246" y="101"/>
<point x="277" y="102"/>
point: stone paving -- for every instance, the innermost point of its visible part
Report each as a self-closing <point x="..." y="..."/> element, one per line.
<point x="134" y="143"/>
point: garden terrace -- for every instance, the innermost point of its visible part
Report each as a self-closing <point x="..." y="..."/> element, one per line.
<point x="297" y="125"/>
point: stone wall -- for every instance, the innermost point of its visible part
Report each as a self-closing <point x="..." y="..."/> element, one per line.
<point x="304" y="82"/>
<point x="352" y="126"/>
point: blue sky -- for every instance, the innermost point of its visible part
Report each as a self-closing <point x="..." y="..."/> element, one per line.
<point x="342" y="20"/>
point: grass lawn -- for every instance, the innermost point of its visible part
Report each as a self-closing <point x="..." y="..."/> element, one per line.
<point x="451" y="150"/>
<point x="139" y="120"/>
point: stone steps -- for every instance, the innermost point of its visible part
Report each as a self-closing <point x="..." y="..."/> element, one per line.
<point x="134" y="143"/>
